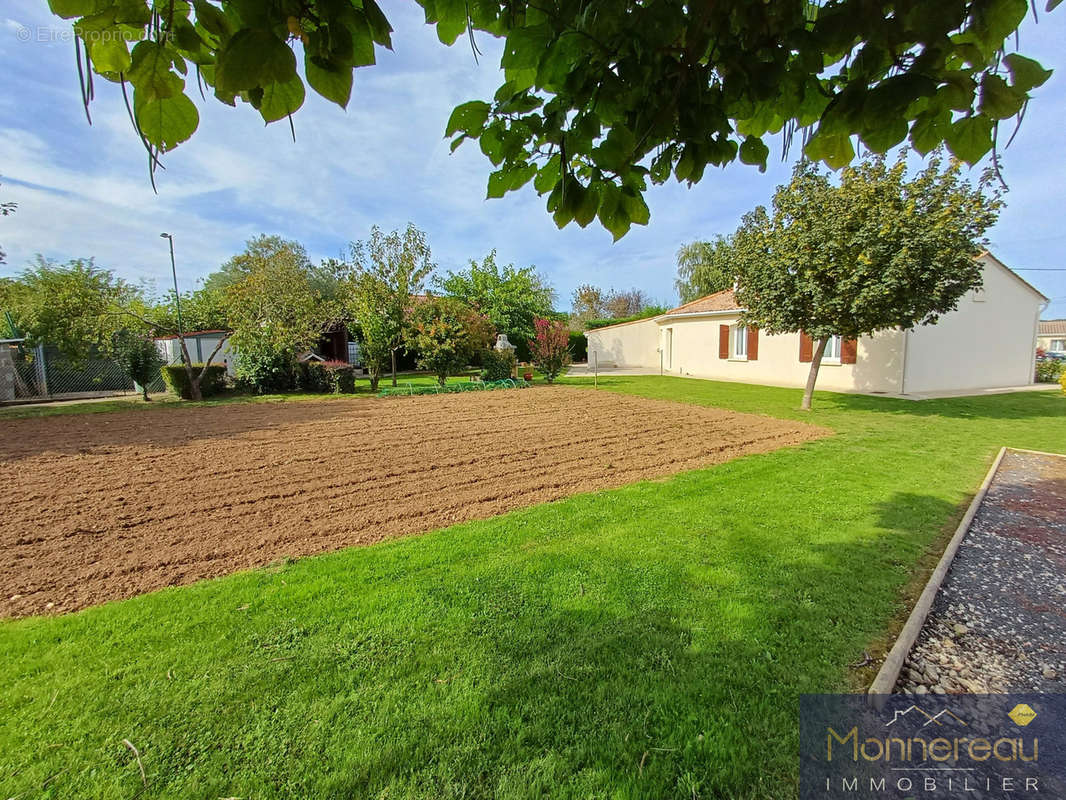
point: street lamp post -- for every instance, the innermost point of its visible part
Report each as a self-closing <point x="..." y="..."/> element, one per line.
<point x="174" y="273"/>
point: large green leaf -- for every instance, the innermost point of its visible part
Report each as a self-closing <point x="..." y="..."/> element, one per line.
<point x="110" y="53"/>
<point x="69" y="9"/>
<point x="469" y="117"/>
<point x="332" y="81"/>
<point x="886" y="134"/>
<point x="451" y="20"/>
<point x="836" y="150"/>
<point x="754" y="151"/>
<point x="281" y="99"/>
<point x="254" y="58"/>
<point x="929" y="129"/>
<point x="150" y="72"/>
<point x="1025" y="73"/>
<point x="970" y="138"/>
<point x="168" y="121"/>
<point x="998" y="100"/>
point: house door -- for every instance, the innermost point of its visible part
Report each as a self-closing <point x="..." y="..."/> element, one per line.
<point x="668" y="348"/>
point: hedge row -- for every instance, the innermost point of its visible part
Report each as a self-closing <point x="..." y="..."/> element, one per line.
<point x="329" y="377"/>
<point x="177" y="380"/>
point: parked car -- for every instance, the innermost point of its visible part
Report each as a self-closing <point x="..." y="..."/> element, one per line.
<point x="1050" y="355"/>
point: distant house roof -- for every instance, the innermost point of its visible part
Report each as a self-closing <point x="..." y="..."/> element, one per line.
<point x="712" y="303"/>
<point x="1052" y="327"/>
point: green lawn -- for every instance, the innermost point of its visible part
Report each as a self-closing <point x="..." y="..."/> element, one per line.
<point x="650" y="641"/>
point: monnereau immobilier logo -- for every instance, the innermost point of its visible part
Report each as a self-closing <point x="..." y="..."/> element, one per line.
<point x="932" y="746"/>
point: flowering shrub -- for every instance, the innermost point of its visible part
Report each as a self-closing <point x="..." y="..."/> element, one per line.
<point x="446" y="333"/>
<point x="1049" y="371"/>
<point x="550" y="347"/>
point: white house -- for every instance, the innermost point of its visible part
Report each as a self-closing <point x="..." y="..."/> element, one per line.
<point x="1052" y="335"/>
<point x="987" y="342"/>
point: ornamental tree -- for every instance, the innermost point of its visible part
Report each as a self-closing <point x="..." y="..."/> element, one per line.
<point x="509" y="296"/>
<point x="388" y="271"/>
<point x="550" y="348"/>
<point x="446" y="333"/>
<point x="138" y="357"/>
<point x="875" y="251"/>
<point x="273" y="308"/>
<point x="596" y="99"/>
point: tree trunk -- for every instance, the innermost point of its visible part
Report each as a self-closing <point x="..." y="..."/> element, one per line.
<point x="375" y="379"/>
<point x="194" y="380"/>
<point x="144" y="391"/>
<point x="442" y="378"/>
<point x="812" y="376"/>
<point x="394" y="366"/>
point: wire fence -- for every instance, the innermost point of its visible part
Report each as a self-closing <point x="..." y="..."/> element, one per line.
<point x="43" y="373"/>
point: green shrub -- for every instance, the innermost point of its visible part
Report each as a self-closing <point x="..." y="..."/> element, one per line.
<point x="176" y="380"/>
<point x="579" y="346"/>
<point x="497" y="365"/>
<point x="326" y="377"/>
<point x="1049" y="371"/>
<point x="266" y="372"/>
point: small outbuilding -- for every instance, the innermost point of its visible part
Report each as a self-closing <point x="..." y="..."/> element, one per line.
<point x="986" y="343"/>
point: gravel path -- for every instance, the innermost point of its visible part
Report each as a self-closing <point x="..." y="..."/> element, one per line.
<point x="998" y="623"/>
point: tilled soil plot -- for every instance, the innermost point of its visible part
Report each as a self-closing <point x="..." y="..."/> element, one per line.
<point x="106" y="506"/>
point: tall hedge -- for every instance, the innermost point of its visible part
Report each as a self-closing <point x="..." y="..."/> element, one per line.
<point x="579" y="346"/>
<point x="176" y="380"/>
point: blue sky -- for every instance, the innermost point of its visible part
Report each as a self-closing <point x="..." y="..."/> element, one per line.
<point x="83" y="191"/>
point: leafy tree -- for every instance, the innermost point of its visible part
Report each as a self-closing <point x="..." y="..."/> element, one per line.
<point x="587" y="302"/>
<point x="594" y="105"/>
<point x="876" y="251"/>
<point x="446" y="333"/>
<point x="273" y="308"/>
<point x="550" y="348"/>
<point x="73" y="307"/>
<point x="626" y="303"/>
<point x="590" y="303"/>
<point x="388" y="270"/>
<point x="511" y="298"/>
<point x="138" y="356"/>
<point x="368" y="302"/>
<point x="704" y="268"/>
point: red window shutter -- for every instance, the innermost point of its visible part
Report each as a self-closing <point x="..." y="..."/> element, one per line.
<point x="753" y="343"/>
<point x="849" y="351"/>
<point x="723" y="341"/>
<point x="806" y="348"/>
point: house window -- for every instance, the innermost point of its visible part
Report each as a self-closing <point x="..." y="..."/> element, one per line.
<point x="740" y="342"/>
<point x="1058" y="346"/>
<point x="832" y="350"/>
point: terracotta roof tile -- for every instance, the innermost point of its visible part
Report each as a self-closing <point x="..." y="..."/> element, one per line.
<point x="719" y="301"/>
<point x="1052" y="326"/>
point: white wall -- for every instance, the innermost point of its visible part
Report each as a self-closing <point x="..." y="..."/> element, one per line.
<point x="987" y="342"/>
<point x="170" y="349"/>
<point x="695" y="353"/>
<point x="631" y="344"/>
